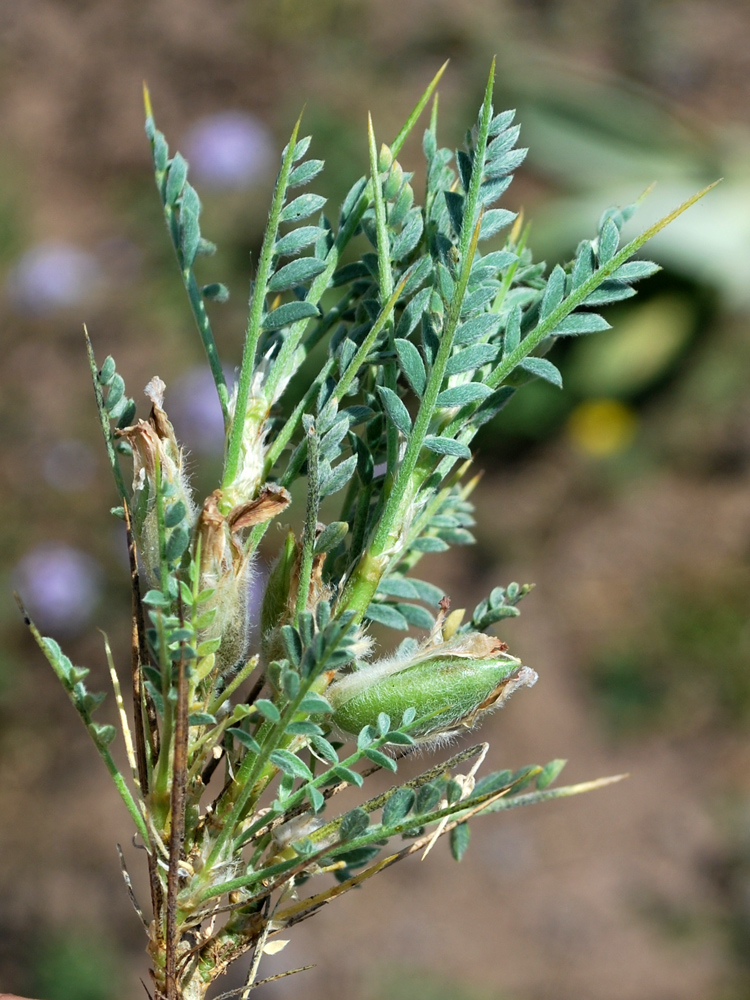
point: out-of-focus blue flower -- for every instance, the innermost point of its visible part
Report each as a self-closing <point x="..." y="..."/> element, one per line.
<point x="69" y="465"/>
<point x="230" y="149"/>
<point x="60" y="586"/>
<point x="195" y="411"/>
<point x="52" y="276"/>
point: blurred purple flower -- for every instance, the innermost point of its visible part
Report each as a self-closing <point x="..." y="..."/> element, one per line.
<point x="69" y="465"/>
<point x="121" y="260"/>
<point x="60" y="586"/>
<point x="52" y="276"/>
<point x="230" y="149"/>
<point x="194" y="409"/>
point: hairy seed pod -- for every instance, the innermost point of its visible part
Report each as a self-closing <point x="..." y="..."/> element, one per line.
<point x="455" y="683"/>
<point x="226" y="569"/>
<point x="154" y="444"/>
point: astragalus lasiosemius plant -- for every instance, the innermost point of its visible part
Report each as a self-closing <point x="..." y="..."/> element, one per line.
<point x="427" y="319"/>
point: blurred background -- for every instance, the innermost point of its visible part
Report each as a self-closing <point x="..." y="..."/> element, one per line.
<point x="626" y="497"/>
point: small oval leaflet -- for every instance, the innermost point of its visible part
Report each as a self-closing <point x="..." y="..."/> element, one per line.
<point x="289" y="313"/>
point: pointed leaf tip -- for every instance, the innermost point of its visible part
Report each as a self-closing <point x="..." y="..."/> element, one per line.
<point x="657" y="227"/>
<point x="147" y="101"/>
<point x="22" y="609"/>
<point x="490" y="82"/>
<point x="400" y="139"/>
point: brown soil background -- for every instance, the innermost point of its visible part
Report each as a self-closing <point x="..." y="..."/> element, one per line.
<point x="622" y="894"/>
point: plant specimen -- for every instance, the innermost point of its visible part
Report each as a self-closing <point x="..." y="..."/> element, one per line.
<point x="423" y="334"/>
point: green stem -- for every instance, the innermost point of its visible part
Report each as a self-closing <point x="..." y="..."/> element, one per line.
<point x="471" y="205"/>
<point x="359" y="589"/>
<point x="160" y="790"/>
<point x="421" y="522"/>
<point x="385" y="275"/>
<point x="533" y="798"/>
<point x="328" y="321"/>
<point x="255" y="318"/>
<point x="359" y="526"/>
<point x="364" y="581"/>
<point x="241" y="677"/>
<point x="212" y="737"/>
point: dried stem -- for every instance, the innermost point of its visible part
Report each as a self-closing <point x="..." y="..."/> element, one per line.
<point x="177" y="826"/>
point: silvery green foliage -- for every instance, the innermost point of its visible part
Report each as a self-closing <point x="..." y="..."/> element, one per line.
<point x="426" y="335"/>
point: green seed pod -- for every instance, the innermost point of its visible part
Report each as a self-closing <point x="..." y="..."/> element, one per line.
<point x="455" y="682"/>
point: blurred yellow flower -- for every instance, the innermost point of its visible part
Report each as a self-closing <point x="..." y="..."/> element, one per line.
<point x="601" y="427"/>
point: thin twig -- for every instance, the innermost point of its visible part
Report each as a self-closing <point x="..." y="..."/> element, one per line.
<point x="258" y="953"/>
<point x="270" y="979"/>
<point x="129" y="886"/>
<point x="467" y="787"/>
<point x="139" y="656"/>
<point x="209" y="769"/>
<point x="140" y="698"/>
